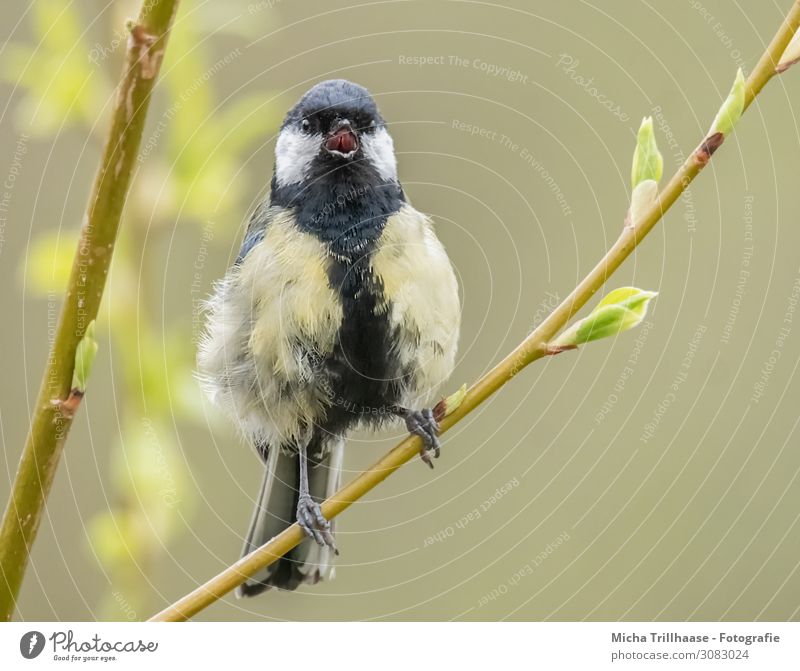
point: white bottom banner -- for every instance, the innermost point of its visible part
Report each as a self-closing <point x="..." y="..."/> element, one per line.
<point x="353" y="646"/>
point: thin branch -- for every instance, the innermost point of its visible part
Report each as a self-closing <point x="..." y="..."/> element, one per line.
<point x="534" y="347"/>
<point x="56" y="402"/>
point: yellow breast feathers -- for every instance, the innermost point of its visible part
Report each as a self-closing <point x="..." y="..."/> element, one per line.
<point x="421" y="293"/>
<point x="268" y="319"/>
<point x="291" y="296"/>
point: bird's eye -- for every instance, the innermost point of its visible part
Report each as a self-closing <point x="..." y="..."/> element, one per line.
<point x="305" y="124"/>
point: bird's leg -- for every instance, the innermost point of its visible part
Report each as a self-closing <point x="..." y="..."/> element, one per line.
<point x="422" y="423"/>
<point x="309" y="514"/>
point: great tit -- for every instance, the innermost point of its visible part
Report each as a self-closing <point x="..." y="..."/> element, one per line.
<point x="340" y="312"/>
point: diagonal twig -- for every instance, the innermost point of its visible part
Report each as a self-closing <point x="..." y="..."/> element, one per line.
<point x="534" y="347"/>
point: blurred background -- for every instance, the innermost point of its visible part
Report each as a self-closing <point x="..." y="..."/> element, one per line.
<point x="652" y="476"/>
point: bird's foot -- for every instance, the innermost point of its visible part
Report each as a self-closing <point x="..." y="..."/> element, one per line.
<point x="313" y="522"/>
<point x="422" y="423"/>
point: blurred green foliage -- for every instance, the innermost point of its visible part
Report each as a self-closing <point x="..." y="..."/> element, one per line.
<point x="188" y="170"/>
<point x="62" y="87"/>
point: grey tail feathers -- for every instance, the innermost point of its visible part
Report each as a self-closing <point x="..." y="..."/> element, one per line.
<point x="276" y="508"/>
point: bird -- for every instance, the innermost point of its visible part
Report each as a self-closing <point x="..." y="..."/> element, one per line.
<point x="341" y="312"/>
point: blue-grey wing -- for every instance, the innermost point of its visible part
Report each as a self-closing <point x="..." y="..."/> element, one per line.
<point x="255" y="230"/>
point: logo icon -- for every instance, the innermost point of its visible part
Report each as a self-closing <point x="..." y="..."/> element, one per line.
<point x="31" y="644"/>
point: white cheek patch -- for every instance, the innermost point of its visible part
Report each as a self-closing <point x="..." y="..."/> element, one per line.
<point x="294" y="153"/>
<point x="379" y="150"/>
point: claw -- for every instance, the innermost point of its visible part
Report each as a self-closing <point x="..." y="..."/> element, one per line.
<point x="314" y="524"/>
<point x="434" y="431"/>
<point x="423" y="423"/>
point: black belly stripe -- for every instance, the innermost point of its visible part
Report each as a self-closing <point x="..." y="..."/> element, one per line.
<point x="348" y="212"/>
<point x="364" y="369"/>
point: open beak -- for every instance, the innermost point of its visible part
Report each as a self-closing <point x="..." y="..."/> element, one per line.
<point x="342" y="140"/>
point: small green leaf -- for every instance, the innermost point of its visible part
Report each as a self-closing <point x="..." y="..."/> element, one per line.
<point x="84" y="358"/>
<point x="647" y="160"/>
<point x="731" y="109"/>
<point x="621" y="310"/>
<point x="618" y="296"/>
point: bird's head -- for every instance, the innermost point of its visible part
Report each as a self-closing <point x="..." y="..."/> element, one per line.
<point x="334" y="129"/>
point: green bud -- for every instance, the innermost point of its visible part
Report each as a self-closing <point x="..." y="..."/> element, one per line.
<point x="731" y="109"/>
<point x="647" y="160"/>
<point x="621" y="310"/>
<point x="642" y="199"/>
<point x="84" y="358"/>
<point x="449" y="405"/>
<point x="455" y="399"/>
<point x="791" y="55"/>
